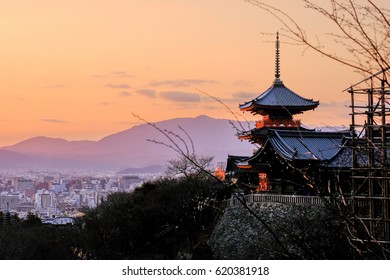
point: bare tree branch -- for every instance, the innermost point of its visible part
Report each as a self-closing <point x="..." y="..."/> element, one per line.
<point x="194" y="161"/>
<point x="361" y="29"/>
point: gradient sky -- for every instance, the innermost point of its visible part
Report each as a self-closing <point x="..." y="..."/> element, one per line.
<point x="78" y="69"/>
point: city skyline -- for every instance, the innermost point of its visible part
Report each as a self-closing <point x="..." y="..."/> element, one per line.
<point x="77" y="70"/>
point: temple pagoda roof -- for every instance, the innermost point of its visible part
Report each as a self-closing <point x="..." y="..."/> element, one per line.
<point x="278" y="97"/>
<point x="304" y="146"/>
<point x="308" y="145"/>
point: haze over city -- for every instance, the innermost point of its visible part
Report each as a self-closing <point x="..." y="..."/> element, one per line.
<point x="79" y="69"/>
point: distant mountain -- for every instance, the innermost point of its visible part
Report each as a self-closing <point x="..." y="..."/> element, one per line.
<point x="129" y="148"/>
<point x="9" y="159"/>
<point x="147" y="169"/>
<point x="46" y="146"/>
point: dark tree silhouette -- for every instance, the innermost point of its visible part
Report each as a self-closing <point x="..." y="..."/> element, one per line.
<point x="163" y="219"/>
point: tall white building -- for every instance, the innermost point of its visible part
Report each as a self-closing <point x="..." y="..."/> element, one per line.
<point x="44" y="199"/>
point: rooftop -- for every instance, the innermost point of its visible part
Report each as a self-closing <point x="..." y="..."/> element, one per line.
<point x="278" y="97"/>
<point x="307" y="145"/>
<point x="299" y="145"/>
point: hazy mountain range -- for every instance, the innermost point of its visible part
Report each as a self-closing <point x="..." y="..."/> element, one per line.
<point x="128" y="148"/>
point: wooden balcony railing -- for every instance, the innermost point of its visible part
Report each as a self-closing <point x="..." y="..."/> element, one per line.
<point x="278" y="123"/>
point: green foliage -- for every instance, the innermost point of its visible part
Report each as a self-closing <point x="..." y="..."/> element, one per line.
<point x="158" y="220"/>
<point x="32" y="220"/>
<point x="28" y="239"/>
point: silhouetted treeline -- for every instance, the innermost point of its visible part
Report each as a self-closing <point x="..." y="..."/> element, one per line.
<point x="165" y="219"/>
<point x="29" y="239"/>
<point x="173" y="219"/>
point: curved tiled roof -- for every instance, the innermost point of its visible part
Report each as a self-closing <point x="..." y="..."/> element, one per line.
<point x="278" y="96"/>
<point x="307" y="145"/>
<point x="344" y="158"/>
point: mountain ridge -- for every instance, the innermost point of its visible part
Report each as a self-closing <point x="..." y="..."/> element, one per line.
<point x="128" y="148"/>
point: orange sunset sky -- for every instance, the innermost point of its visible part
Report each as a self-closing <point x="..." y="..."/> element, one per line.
<point x="78" y="69"/>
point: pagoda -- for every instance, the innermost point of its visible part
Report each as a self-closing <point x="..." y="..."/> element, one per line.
<point x="277" y="107"/>
<point x="283" y="146"/>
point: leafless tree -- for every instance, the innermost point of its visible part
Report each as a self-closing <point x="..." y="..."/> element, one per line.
<point x="186" y="153"/>
<point x="183" y="166"/>
<point x="362" y="29"/>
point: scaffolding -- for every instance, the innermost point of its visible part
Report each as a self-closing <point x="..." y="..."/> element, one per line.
<point x="370" y="173"/>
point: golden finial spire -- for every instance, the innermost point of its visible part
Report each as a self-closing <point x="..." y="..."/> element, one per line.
<point x="277" y="62"/>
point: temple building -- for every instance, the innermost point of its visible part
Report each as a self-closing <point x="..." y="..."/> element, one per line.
<point x="286" y="153"/>
<point x="349" y="169"/>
